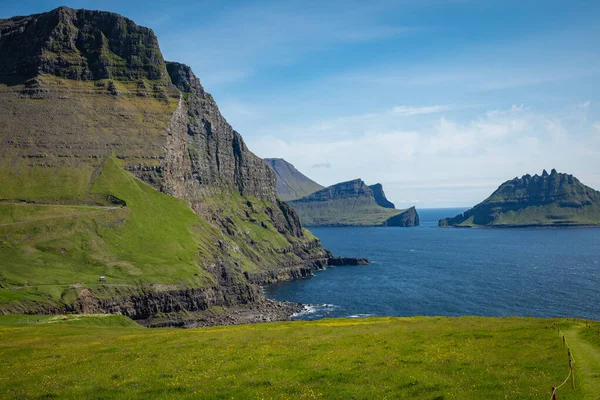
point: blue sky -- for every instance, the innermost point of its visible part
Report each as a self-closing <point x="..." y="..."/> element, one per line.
<point x="439" y="100"/>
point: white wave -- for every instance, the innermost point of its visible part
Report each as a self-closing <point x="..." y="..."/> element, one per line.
<point x="314" y="310"/>
<point x="360" y="315"/>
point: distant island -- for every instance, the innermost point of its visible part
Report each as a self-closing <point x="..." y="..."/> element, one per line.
<point x="352" y="203"/>
<point x="548" y="200"/>
<point x="291" y="183"/>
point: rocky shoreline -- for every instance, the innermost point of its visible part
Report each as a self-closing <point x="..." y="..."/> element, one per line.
<point x="160" y="306"/>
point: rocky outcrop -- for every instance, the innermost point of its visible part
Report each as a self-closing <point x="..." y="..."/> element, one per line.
<point x="379" y="195"/>
<point x="291" y="183"/>
<point x="351" y="203"/>
<point x="345" y="261"/>
<point x="553" y="199"/>
<point x="408" y="218"/>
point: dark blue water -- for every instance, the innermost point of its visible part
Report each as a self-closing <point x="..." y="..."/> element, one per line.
<point x="433" y="271"/>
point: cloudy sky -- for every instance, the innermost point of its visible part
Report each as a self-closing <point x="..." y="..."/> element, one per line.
<point x="439" y="100"/>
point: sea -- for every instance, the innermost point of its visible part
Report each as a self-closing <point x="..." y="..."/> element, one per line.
<point x="426" y="270"/>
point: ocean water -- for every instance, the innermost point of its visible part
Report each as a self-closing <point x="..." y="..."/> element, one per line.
<point x="433" y="271"/>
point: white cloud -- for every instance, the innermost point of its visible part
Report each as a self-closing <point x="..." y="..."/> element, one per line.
<point x="409" y="110"/>
<point x="585" y="104"/>
<point x="458" y="163"/>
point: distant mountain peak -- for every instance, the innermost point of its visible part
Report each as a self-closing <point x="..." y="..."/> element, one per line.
<point x="291" y="183"/>
<point x="379" y="195"/>
<point x="546" y="199"/>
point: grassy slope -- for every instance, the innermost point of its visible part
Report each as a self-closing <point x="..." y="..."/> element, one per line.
<point x="47" y="249"/>
<point x="58" y="246"/>
<point x="350" y="212"/>
<point x="547" y="215"/>
<point x="416" y="358"/>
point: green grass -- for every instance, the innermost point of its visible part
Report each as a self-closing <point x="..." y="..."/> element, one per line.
<point x="406" y="358"/>
<point x="50" y="251"/>
<point x="20" y="213"/>
<point x="545" y="215"/>
<point x="361" y="211"/>
<point x="59" y="245"/>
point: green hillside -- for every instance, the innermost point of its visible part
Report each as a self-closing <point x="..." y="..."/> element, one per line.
<point x="417" y="358"/>
<point x="351" y="203"/>
<point x="51" y="252"/>
<point x="343" y="212"/>
<point x="117" y="164"/>
<point x="545" y="200"/>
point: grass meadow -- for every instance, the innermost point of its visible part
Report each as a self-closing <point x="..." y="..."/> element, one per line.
<point x="110" y="357"/>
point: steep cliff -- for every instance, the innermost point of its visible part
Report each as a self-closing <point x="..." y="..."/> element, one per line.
<point x="291" y="183"/>
<point x="351" y="203"/>
<point x="553" y="199"/>
<point x="118" y="164"/>
<point x="379" y="196"/>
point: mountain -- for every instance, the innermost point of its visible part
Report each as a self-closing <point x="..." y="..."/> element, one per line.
<point x="379" y="196"/>
<point x="351" y="203"/>
<point x="291" y="183"/>
<point x="122" y="187"/>
<point x="553" y="199"/>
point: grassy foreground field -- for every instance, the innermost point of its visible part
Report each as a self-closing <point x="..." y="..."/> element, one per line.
<point x="414" y="358"/>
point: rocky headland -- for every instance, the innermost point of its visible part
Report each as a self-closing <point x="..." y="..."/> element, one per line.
<point x="352" y="203"/>
<point x="546" y="200"/>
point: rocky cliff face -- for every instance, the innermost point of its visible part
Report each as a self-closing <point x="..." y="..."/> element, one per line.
<point x="408" y="218"/>
<point x="79" y="44"/>
<point x="79" y="87"/>
<point x="291" y="183"/>
<point x="379" y="195"/>
<point x="548" y="199"/>
<point x="351" y="203"/>
<point x="344" y="190"/>
<point x="217" y="152"/>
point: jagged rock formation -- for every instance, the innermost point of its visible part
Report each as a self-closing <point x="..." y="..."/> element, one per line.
<point x="379" y="195"/>
<point x="291" y="183"/>
<point x="86" y="96"/>
<point x="553" y="199"/>
<point x="351" y="203"/>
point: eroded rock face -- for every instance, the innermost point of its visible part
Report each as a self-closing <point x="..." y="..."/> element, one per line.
<point x="79" y="44"/>
<point x="379" y="195"/>
<point x="217" y="152"/>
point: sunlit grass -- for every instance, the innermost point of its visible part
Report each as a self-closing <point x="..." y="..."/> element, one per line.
<point x="412" y="358"/>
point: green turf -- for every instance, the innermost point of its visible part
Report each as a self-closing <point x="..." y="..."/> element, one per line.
<point x="360" y="211"/>
<point x="50" y="251"/>
<point x="405" y="358"/>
